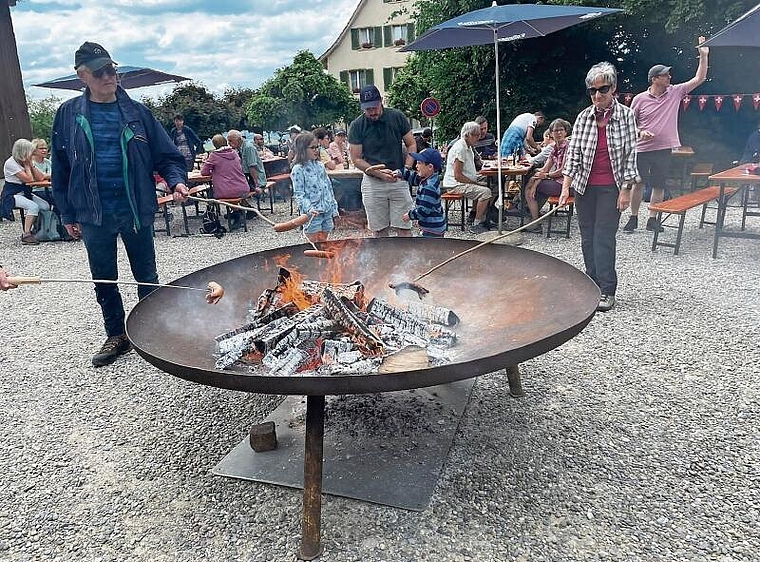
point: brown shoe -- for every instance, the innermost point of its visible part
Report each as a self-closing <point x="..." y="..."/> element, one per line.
<point x="111" y="349"/>
<point x="29" y="238"/>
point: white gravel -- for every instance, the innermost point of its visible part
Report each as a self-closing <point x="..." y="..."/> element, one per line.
<point x="638" y="440"/>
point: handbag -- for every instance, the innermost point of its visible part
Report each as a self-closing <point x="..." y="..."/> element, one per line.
<point x="47" y="227"/>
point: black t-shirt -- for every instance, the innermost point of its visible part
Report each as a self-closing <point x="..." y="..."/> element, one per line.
<point x="381" y="140"/>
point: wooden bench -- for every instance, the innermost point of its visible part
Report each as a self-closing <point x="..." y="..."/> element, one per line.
<point x="275" y="179"/>
<point x="449" y="199"/>
<point x="567" y="212"/>
<point x="165" y="200"/>
<point x="679" y="206"/>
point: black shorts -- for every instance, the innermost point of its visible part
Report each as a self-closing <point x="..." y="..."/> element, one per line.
<point x="654" y="167"/>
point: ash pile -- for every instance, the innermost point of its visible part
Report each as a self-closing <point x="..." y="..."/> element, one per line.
<point x="304" y="327"/>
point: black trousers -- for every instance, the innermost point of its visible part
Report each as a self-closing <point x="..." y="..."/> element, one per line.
<point x="598" y="219"/>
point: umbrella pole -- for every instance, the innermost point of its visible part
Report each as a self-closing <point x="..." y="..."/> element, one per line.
<point x="499" y="200"/>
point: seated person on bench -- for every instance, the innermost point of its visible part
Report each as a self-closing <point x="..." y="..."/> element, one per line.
<point x="547" y="182"/>
<point x="223" y="165"/>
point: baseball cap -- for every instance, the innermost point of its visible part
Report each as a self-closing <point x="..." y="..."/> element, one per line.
<point x="92" y="55"/>
<point x="658" y="70"/>
<point x="370" y="96"/>
<point x="294" y="129"/>
<point x="427" y="133"/>
<point x="429" y="156"/>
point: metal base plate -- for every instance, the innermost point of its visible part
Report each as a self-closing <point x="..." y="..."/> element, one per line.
<point x="383" y="448"/>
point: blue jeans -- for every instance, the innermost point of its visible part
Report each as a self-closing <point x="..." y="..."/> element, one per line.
<point x="100" y="242"/>
<point x="598" y="219"/>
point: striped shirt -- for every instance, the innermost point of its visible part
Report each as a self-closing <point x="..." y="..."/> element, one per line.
<point x="427" y="205"/>
<point x="621" y="143"/>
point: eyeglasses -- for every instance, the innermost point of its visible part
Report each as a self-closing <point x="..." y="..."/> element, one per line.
<point x="559" y="131"/>
<point x="314" y="147"/>
<point x="107" y="70"/>
<point x="602" y="90"/>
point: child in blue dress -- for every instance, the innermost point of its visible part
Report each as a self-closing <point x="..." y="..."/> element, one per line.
<point x="427" y="209"/>
<point x="312" y="188"/>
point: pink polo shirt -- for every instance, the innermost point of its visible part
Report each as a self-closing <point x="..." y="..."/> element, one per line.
<point x="660" y="116"/>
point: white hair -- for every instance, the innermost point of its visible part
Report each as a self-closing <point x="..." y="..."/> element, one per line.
<point x="603" y="70"/>
<point x="22" y="150"/>
<point x="470" y="128"/>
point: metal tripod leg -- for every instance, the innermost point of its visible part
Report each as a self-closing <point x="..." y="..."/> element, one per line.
<point x="311" y="546"/>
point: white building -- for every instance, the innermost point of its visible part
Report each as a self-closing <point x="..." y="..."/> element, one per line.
<point x="366" y="51"/>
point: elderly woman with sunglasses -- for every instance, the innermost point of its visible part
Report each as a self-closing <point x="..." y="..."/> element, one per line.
<point x="19" y="171"/>
<point x="600" y="167"/>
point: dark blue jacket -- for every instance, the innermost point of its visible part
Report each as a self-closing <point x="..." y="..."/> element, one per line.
<point x="145" y="147"/>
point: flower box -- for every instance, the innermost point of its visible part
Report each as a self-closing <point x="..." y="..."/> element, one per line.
<point x="367" y="45"/>
<point x="399" y="42"/>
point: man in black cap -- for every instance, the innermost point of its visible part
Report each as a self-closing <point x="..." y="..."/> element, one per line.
<point x="656" y="111"/>
<point x="375" y="138"/>
<point x="105" y="149"/>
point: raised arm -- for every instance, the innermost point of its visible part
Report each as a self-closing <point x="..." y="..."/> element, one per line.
<point x="701" y="74"/>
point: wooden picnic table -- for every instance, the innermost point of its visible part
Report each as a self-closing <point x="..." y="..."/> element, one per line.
<point x="740" y="177"/>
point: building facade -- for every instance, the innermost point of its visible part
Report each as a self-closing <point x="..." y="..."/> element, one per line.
<point x="366" y="51"/>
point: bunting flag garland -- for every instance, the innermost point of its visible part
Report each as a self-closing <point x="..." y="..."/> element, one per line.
<point x="704" y="99"/>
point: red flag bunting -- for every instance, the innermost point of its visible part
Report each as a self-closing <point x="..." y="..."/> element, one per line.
<point x="756" y="101"/>
<point x="737" y="101"/>
<point x="702" y="101"/>
<point x="686" y="101"/>
<point x="718" y="102"/>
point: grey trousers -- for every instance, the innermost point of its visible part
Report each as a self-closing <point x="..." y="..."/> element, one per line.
<point x="598" y="219"/>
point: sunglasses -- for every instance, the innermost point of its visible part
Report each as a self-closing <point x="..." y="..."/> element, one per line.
<point x="602" y="90"/>
<point x="107" y="70"/>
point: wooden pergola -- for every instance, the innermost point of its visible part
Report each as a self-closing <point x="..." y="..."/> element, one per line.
<point x="14" y="113"/>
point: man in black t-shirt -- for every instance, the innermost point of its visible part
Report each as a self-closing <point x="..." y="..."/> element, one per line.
<point x="375" y="138"/>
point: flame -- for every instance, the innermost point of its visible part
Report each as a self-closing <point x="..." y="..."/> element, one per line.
<point x="290" y="289"/>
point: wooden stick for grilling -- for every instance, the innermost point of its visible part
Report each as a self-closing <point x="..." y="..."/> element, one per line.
<point x="232" y="206"/>
<point x="38" y="280"/>
<point x="491" y="241"/>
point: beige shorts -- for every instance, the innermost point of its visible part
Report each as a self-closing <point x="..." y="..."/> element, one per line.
<point x="385" y="203"/>
<point x="473" y="191"/>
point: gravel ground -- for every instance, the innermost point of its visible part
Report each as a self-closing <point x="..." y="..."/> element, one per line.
<point x="637" y="440"/>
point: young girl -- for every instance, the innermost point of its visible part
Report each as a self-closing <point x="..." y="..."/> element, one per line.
<point x="312" y="188"/>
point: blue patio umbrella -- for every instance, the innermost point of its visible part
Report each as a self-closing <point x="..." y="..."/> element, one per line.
<point x="128" y="77"/>
<point x="491" y="26"/>
<point x="742" y="32"/>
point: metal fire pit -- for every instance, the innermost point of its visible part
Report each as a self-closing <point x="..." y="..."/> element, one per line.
<point x="514" y="304"/>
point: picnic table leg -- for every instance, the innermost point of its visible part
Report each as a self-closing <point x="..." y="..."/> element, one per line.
<point x="719" y="219"/>
<point x="680" y="232"/>
<point x="656" y="231"/>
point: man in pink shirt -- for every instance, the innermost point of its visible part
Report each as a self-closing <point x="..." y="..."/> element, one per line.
<point x="656" y="111"/>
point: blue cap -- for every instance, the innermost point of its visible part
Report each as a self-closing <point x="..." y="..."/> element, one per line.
<point x="429" y="156"/>
<point x="370" y="96"/>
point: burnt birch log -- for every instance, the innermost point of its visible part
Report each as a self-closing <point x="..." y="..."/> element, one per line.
<point x="351" y="323"/>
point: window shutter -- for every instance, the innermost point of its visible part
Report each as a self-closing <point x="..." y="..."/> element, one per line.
<point x="387" y="36"/>
<point x="377" y="40"/>
<point x="370" y="75"/>
<point x="355" y="39"/>
<point x="344" y="78"/>
<point x="410" y="32"/>
<point x="387" y="77"/>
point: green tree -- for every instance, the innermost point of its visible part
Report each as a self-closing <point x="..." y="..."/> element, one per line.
<point x="203" y="112"/>
<point x="41" y="114"/>
<point x="237" y="100"/>
<point x="302" y="93"/>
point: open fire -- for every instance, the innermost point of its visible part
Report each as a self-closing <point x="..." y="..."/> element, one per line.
<point x="307" y="327"/>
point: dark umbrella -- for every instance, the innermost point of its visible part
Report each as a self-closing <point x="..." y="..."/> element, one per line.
<point x="490" y="26"/>
<point x="741" y="33"/>
<point x="128" y="77"/>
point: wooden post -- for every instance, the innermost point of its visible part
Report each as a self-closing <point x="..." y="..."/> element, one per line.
<point x="14" y="113"/>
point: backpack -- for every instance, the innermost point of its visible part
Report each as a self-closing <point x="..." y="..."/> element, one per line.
<point x="47" y="226"/>
<point x="211" y="223"/>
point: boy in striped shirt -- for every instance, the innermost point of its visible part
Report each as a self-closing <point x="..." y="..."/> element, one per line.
<point x="427" y="209"/>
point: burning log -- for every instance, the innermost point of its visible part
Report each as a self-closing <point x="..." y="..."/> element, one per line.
<point x="406" y="322"/>
<point x="332" y="348"/>
<point x="293" y="360"/>
<point x="351" y="291"/>
<point x="350" y="322"/>
<point x="288" y="309"/>
<point x="431" y="313"/>
<point x="364" y="367"/>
